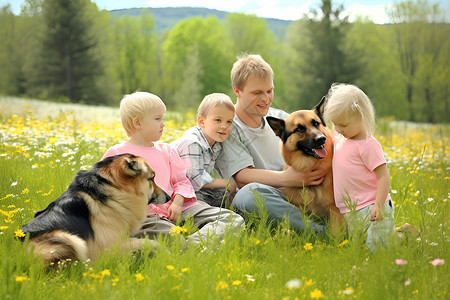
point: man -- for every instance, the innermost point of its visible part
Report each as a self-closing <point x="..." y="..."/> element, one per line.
<point x="251" y="154"/>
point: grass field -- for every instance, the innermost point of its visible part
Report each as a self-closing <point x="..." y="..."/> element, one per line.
<point x="43" y="146"/>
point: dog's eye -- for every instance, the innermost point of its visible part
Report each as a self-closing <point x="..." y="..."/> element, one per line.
<point x="300" y="129"/>
<point x="152" y="178"/>
<point x="315" y="123"/>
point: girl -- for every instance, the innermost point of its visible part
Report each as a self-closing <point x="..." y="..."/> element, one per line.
<point x="360" y="175"/>
<point x="142" y="117"/>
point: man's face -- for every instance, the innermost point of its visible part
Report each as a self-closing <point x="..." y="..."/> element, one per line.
<point x="256" y="96"/>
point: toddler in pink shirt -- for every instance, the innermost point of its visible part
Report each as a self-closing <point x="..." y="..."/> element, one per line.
<point x="142" y="116"/>
<point x="361" y="178"/>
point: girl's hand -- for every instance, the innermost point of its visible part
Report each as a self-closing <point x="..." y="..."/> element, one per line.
<point x="376" y="213"/>
<point x="174" y="211"/>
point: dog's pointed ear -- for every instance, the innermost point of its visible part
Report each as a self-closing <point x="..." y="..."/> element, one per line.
<point x="319" y="109"/>
<point x="278" y="125"/>
<point x="134" y="166"/>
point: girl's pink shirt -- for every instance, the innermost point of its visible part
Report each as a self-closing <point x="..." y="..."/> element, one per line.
<point x="354" y="162"/>
<point x="170" y="172"/>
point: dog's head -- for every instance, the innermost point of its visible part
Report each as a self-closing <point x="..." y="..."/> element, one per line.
<point x="129" y="172"/>
<point x="303" y="130"/>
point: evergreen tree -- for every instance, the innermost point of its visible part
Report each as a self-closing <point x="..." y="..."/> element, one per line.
<point x="68" y="65"/>
<point x="321" y="57"/>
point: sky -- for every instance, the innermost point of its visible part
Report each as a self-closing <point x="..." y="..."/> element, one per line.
<point x="279" y="9"/>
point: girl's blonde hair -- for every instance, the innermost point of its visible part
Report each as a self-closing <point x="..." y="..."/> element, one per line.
<point x="249" y="64"/>
<point x="347" y="100"/>
<point x="213" y="100"/>
<point x="137" y="105"/>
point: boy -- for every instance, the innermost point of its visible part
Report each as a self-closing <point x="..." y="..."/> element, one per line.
<point x="200" y="146"/>
<point x="142" y="117"/>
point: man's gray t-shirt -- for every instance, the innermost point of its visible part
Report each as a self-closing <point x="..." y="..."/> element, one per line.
<point x="256" y="147"/>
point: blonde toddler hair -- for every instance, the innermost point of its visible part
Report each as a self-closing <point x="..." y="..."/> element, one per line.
<point x="246" y="65"/>
<point x="135" y="105"/>
<point x="213" y="100"/>
<point x="347" y="100"/>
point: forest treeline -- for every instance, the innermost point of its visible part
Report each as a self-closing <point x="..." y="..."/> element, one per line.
<point x="69" y="50"/>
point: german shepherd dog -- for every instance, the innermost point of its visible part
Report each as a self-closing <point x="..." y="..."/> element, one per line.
<point x="100" y="207"/>
<point x="307" y="144"/>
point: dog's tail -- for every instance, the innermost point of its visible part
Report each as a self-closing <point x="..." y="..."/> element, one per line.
<point x="59" y="245"/>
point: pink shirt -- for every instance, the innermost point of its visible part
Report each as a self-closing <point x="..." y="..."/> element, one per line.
<point x="354" y="162"/>
<point x="170" y="172"/>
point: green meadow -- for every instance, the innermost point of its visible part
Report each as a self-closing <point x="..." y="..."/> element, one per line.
<point x="43" y="145"/>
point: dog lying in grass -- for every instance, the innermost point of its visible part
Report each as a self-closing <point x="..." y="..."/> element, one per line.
<point x="100" y="207"/>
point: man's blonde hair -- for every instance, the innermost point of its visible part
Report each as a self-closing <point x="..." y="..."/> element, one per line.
<point x="346" y="100"/>
<point x="212" y="100"/>
<point x="249" y="64"/>
<point x="135" y="105"/>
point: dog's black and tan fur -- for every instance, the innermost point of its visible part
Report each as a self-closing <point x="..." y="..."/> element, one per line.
<point x="100" y="207"/>
<point x="306" y="144"/>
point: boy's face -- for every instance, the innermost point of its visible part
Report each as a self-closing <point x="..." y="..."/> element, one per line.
<point x="256" y="96"/>
<point x="152" y="125"/>
<point x="217" y="124"/>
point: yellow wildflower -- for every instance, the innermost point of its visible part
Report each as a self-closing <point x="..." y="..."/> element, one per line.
<point x="343" y="243"/>
<point x="19" y="233"/>
<point x="221" y="285"/>
<point x="21" y="278"/>
<point x="237" y="282"/>
<point x="177" y="230"/>
<point x="316" y="294"/>
<point x="114" y="281"/>
<point x="348" y="291"/>
<point x="308" y="246"/>
<point x="139" y="277"/>
<point x="170" y="267"/>
<point x="309" y="282"/>
<point x="184" y="270"/>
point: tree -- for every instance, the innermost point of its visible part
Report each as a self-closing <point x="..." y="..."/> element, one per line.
<point x="423" y="47"/>
<point x="8" y="54"/>
<point x="321" y="55"/>
<point x="214" y="53"/>
<point x="68" y="65"/>
<point x="381" y="75"/>
<point x="249" y="34"/>
<point x="190" y="91"/>
<point x="135" y="53"/>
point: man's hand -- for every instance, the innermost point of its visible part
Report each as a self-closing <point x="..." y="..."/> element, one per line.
<point x="299" y="179"/>
<point x="232" y="187"/>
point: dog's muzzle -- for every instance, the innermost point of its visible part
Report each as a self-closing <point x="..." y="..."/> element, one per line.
<point x="315" y="148"/>
<point x="159" y="199"/>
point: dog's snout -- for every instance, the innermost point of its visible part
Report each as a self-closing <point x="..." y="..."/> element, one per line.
<point x="320" y="139"/>
<point x="159" y="198"/>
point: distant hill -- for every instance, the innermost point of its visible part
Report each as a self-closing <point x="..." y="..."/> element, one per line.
<point x="167" y="17"/>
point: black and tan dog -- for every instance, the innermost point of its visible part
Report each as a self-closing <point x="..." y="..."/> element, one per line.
<point x="307" y="144"/>
<point x="100" y="207"/>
